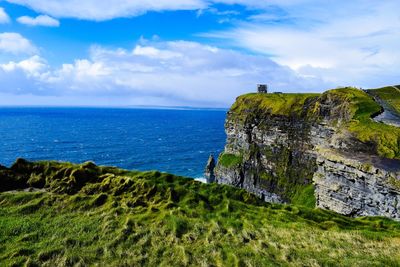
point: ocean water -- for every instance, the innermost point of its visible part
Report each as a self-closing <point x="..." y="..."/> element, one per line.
<point x="174" y="141"/>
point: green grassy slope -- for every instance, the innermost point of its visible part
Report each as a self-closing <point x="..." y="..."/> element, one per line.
<point x="229" y="160"/>
<point x="362" y="107"/>
<point x="93" y="215"/>
<point x="389" y="94"/>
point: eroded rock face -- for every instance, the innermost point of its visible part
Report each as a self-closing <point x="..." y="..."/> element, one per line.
<point x="209" y="171"/>
<point x="275" y="157"/>
<point x="282" y="156"/>
<point x="351" y="187"/>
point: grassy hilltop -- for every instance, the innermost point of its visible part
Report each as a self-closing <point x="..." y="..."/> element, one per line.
<point x="89" y="215"/>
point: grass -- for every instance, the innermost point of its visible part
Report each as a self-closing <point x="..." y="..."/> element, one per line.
<point x="385" y="138"/>
<point x="304" y="196"/>
<point x="358" y="103"/>
<point x="103" y="216"/>
<point x="229" y="160"/>
<point x="390" y="95"/>
<point x="277" y="104"/>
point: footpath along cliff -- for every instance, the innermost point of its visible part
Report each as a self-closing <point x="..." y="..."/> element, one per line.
<point x="322" y="150"/>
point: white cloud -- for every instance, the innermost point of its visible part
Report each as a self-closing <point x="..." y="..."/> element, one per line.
<point x="105" y="10"/>
<point x="41" y="20"/>
<point x="15" y="43"/>
<point x="4" y="18"/>
<point x="33" y="66"/>
<point x="173" y="73"/>
<point x="352" y="42"/>
<point x="152" y="52"/>
<point x="299" y="45"/>
<point x="23" y="77"/>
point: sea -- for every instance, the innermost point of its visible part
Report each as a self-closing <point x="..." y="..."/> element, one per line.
<point x="177" y="141"/>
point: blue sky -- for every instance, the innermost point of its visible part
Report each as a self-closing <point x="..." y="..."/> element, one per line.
<point x="191" y="52"/>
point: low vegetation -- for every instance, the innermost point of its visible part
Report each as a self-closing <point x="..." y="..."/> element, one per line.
<point x="229" y="160"/>
<point x="385" y="138"/>
<point x="90" y="215"/>
<point x="389" y="94"/>
<point x="291" y="178"/>
<point x="277" y="104"/>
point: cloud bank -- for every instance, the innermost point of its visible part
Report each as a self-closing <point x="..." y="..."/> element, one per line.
<point x="173" y="73"/>
<point x="352" y="42"/>
<point x="105" y="10"/>
<point x="293" y="45"/>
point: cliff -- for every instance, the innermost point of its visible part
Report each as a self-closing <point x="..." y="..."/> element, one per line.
<point x="314" y="150"/>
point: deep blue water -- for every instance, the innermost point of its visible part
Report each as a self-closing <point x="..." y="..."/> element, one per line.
<point x="174" y="141"/>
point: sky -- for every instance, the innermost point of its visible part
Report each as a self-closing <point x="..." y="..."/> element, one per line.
<point x="201" y="53"/>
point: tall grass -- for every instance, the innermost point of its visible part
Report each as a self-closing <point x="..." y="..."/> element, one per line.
<point x="120" y="218"/>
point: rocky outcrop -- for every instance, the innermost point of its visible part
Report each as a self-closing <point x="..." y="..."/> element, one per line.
<point x="307" y="155"/>
<point x="209" y="171"/>
<point x="353" y="187"/>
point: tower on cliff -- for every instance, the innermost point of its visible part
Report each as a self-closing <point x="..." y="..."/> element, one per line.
<point x="209" y="171"/>
<point x="262" y="88"/>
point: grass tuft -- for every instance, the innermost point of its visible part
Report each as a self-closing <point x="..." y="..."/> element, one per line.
<point x="164" y="220"/>
<point x="230" y="160"/>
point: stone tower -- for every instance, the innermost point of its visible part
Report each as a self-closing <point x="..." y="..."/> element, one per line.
<point x="262" y="88"/>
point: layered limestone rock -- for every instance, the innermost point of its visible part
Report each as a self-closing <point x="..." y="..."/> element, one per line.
<point x="352" y="187"/>
<point x="306" y="154"/>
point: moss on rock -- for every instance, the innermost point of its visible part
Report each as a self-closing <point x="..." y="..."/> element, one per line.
<point x="230" y="160"/>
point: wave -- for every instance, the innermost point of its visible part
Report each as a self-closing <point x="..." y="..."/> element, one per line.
<point x="201" y="179"/>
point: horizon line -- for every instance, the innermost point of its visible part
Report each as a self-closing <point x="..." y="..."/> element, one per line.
<point x="119" y="107"/>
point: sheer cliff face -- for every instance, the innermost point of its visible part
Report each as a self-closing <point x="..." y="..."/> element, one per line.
<point x="299" y="149"/>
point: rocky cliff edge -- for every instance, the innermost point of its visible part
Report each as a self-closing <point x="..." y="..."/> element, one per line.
<point x="318" y="150"/>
